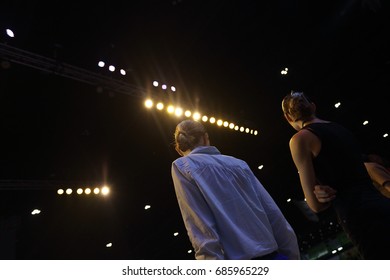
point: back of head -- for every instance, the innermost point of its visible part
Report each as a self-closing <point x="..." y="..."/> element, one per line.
<point x="298" y="106"/>
<point x="188" y="135"/>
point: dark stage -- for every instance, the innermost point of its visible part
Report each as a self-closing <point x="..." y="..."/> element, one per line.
<point x="68" y="123"/>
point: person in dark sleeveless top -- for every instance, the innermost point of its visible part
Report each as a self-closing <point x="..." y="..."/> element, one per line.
<point x="327" y="155"/>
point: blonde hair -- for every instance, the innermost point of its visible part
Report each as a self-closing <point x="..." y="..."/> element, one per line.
<point x="188" y="134"/>
<point x="298" y="106"/>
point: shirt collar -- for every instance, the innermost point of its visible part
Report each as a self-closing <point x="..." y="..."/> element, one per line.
<point x="210" y="150"/>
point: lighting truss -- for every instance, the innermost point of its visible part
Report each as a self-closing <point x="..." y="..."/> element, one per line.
<point x="19" y="56"/>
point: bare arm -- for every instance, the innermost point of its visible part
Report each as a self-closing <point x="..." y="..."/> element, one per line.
<point x="379" y="174"/>
<point x="302" y="155"/>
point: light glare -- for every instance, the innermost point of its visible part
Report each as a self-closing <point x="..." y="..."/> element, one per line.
<point x="148" y="103"/>
<point x="10" y="33"/>
<point x="160" y="106"/>
<point x="105" y="190"/>
<point x="187" y="113"/>
<point x="196" y="116"/>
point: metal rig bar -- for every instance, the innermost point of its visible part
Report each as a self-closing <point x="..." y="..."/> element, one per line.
<point x="39" y="62"/>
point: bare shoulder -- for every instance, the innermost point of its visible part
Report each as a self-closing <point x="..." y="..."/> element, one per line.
<point x="302" y="136"/>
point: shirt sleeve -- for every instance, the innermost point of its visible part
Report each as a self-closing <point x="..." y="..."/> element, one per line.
<point x="283" y="232"/>
<point x="197" y="216"/>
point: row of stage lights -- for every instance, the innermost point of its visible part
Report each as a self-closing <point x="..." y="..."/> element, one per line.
<point x="111" y="68"/>
<point x="163" y="86"/>
<point x="179" y="112"/>
<point x="68" y="191"/>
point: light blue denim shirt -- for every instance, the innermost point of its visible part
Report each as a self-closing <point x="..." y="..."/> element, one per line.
<point x="227" y="212"/>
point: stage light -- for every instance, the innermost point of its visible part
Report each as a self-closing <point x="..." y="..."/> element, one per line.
<point x="148" y="103"/>
<point x="96" y="190"/>
<point x="164" y="87"/>
<point x="69" y="191"/>
<point x="155" y="83"/>
<point x="173" y="88"/>
<point x="385" y="135"/>
<point x="178" y="112"/>
<point x="196" y="116"/>
<point x="109" y="245"/>
<point x="101" y="64"/>
<point x="60" y="191"/>
<point x="123" y="72"/>
<point x="160" y="106"/>
<point x="147" y="207"/>
<point x="365" y="122"/>
<point x="187" y="113"/>
<point x="289" y="200"/>
<point x="176" y="234"/>
<point x="170" y="109"/>
<point x="260" y="167"/>
<point x="111" y="68"/>
<point x="338" y="104"/>
<point x="79" y="191"/>
<point x="105" y="190"/>
<point x="10" y="33"/>
<point x="35" y="212"/>
<point x="87" y="191"/>
<point x="189" y="251"/>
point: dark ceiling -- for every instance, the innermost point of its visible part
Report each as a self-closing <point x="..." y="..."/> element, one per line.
<point x="225" y="57"/>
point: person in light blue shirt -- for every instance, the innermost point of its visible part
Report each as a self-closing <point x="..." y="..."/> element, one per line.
<point x="227" y="212"/>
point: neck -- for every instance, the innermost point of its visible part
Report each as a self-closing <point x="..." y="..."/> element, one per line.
<point x="306" y="122"/>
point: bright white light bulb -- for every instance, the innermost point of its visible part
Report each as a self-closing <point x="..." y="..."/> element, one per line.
<point x="148" y="103"/>
<point x="10" y="33"/>
<point x="105" y="190"/>
<point x="196" y="116"/>
<point x="160" y="106"/>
